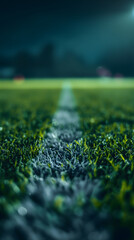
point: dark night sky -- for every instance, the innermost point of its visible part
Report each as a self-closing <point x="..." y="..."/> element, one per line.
<point x="89" y="28"/>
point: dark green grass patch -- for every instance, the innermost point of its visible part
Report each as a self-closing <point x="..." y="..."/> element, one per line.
<point x="25" y="116"/>
<point x="107" y="120"/>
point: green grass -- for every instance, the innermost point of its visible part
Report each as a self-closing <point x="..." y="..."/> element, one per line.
<point x="25" y="116"/>
<point x="106" y="111"/>
<point x="107" y="120"/>
<point x="102" y="83"/>
<point x="75" y="83"/>
<point x="31" y="84"/>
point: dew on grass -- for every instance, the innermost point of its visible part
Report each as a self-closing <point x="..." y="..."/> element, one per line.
<point x="22" y="211"/>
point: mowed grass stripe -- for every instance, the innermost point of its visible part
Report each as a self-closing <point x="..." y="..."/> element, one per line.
<point x="79" y="83"/>
<point x="31" y="84"/>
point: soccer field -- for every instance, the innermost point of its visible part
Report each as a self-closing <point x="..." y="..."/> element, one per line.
<point x="67" y="159"/>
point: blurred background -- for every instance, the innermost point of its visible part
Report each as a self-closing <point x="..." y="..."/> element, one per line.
<point x="66" y="38"/>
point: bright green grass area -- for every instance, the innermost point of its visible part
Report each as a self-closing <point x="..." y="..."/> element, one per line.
<point x="75" y="83"/>
<point x="102" y="83"/>
<point x="25" y="116"/>
<point x="31" y="84"/>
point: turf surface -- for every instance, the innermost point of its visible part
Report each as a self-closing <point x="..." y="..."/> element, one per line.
<point x="104" y="155"/>
<point x="25" y="116"/>
<point x="107" y="120"/>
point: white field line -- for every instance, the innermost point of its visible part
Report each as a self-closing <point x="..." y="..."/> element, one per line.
<point x="66" y="113"/>
<point x="65" y="129"/>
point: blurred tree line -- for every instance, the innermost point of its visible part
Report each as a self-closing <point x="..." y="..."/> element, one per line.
<point x="47" y="64"/>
